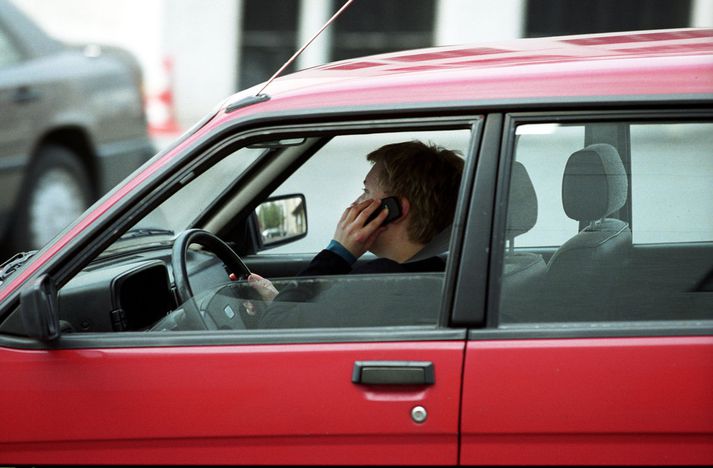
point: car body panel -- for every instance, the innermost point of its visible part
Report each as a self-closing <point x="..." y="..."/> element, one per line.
<point x="678" y="63"/>
<point x="233" y="400"/>
<point x="615" y="400"/>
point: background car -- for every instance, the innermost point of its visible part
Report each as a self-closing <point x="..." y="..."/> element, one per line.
<point x="72" y="125"/>
<point x="572" y="325"/>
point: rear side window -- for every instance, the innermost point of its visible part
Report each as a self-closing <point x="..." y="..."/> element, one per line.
<point x="610" y="229"/>
<point x="672" y="183"/>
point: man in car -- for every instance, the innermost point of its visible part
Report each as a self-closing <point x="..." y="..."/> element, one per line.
<point x="424" y="179"/>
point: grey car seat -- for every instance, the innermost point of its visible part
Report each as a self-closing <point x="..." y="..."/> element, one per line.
<point x="523" y="272"/>
<point x="583" y="270"/>
<point x="521" y="267"/>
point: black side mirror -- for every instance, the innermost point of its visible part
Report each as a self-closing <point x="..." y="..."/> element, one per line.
<point x="40" y="316"/>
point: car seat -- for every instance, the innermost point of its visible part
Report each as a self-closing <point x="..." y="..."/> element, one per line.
<point x="583" y="270"/>
<point x="523" y="272"/>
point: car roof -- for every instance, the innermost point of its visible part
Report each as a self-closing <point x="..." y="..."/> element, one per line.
<point x="643" y="63"/>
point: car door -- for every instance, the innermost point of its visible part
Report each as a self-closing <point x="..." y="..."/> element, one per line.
<point x="351" y="395"/>
<point x="181" y="402"/>
<point x="597" y="352"/>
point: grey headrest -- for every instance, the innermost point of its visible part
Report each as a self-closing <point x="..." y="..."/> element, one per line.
<point x="438" y="245"/>
<point x="594" y="183"/>
<point x="522" y="206"/>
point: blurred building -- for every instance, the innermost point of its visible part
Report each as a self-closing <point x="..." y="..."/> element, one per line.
<point x="197" y="52"/>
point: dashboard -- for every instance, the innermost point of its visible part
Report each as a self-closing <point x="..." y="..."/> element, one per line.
<point x="131" y="292"/>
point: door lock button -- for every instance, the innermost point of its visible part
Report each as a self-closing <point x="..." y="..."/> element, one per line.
<point x="419" y="414"/>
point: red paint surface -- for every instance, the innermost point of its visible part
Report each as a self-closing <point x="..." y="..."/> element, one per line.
<point x="615" y="400"/>
<point x="273" y="404"/>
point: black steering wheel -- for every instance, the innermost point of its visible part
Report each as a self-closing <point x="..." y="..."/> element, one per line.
<point x="193" y="317"/>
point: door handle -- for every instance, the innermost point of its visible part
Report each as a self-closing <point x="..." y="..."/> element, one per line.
<point x="393" y="373"/>
<point x="25" y="94"/>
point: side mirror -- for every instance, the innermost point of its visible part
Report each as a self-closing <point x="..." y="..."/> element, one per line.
<point x="40" y="315"/>
<point x="281" y="220"/>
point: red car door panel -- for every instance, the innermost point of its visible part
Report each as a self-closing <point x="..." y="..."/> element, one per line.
<point x="613" y="400"/>
<point x="228" y="404"/>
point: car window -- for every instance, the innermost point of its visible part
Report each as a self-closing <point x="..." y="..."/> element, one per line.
<point x="544" y="149"/>
<point x="162" y="275"/>
<point x="8" y="52"/>
<point x="339" y="301"/>
<point x="338" y="169"/>
<point x="572" y="253"/>
<point x="672" y="183"/>
<point x="181" y="209"/>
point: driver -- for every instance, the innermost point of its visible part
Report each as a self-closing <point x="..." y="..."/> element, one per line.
<point x="424" y="179"/>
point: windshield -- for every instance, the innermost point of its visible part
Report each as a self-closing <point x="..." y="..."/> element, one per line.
<point x="179" y="211"/>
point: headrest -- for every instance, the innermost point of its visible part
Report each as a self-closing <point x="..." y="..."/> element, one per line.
<point x="438" y="245"/>
<point x="522" y="205"/>
<point x="594" y="183"/>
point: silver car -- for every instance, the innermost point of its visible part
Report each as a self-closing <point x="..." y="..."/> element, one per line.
<point x="72" y="125"/>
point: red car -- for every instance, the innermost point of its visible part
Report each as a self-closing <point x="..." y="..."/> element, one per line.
<point x="573" y="323"/>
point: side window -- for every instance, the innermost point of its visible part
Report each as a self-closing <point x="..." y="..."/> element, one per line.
<point x="572" y="251"/>
<point x="379" y="289"/>
<point x="8" y="52"/>
<point x="177" y="267"/>
<point x="672" y="183"/>
<point x="334" y="177"/>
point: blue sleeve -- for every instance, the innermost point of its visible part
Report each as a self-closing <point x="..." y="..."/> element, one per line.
<point x="342" y="251"/>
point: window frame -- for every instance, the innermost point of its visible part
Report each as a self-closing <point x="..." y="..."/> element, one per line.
<point x="492" y="328"/>
<point x="216" y="145"/>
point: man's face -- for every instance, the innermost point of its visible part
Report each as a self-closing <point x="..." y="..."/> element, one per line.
<point x="372" y="189"/>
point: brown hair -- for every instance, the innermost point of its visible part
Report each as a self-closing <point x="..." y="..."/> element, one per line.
<point x="428" y="176"/>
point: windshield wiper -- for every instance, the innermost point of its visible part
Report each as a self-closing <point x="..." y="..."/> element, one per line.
<point x="14" y="263"/>
<point x="145" y="232"/>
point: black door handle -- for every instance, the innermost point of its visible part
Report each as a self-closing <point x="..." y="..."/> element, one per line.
<point x="393" y="373"/>
<point x="25" y="94"/>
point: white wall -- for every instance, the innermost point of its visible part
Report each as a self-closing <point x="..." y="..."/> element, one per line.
<point x="313" y="15"/>
<point x="463" y="21"/>
<point x="201" y="38"/>
<point x="702" y="13"/>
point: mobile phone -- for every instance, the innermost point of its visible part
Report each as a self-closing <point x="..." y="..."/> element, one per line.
<point x="394" y="210"/>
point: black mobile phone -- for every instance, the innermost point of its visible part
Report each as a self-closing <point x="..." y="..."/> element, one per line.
<point x="394" y="210"/>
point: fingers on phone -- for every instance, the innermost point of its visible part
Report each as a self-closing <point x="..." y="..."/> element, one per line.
<point x="367" y="211"/>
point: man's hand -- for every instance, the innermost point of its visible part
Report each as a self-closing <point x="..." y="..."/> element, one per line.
<point x="263" y="287"/>
<point x="351" y="231"/>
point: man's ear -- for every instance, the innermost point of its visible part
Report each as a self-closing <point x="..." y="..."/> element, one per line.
<point x="405" y="208"/>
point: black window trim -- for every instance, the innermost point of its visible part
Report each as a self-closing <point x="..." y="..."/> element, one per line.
<point x="492" y="329"/>
<point x="477" y="197"/>
<point x="238" y="338"/>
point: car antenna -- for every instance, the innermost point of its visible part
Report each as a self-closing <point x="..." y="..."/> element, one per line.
<point x="260" y="96"/>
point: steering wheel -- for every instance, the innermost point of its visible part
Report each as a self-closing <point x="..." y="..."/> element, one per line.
<point x="194" y="319"/>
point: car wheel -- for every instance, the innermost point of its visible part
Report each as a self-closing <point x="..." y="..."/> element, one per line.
<point x="56" y="193"/>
